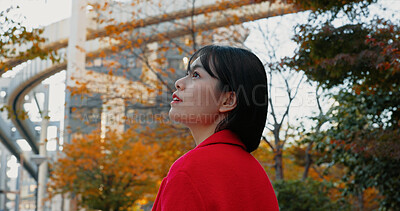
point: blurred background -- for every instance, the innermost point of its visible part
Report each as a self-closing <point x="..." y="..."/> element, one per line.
<point x="85" y="88"/>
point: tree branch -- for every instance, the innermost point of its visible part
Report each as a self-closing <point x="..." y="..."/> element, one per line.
<point x="269" y="144"/>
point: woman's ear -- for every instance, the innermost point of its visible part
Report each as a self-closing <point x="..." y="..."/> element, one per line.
<point x="228" y="102"/>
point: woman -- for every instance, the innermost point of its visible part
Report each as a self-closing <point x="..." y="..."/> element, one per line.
<point x="223" y="101"/>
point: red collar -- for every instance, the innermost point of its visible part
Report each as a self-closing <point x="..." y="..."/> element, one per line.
<point x="222" y="137"/>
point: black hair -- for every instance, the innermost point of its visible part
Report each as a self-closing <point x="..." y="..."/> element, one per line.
<point x="242" y="72"/>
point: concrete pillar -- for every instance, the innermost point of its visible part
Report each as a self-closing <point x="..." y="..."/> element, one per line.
<point x="3" y="176"/>
<point x="75" y="53"/>
<point x="42" y="177"/>
<point x="76" y="65"/>
<point x="76" y="43"/>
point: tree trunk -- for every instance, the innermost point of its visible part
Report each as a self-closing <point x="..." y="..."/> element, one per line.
<point x="360" y="200"/>
<point x="278" y="154"/>
<point x="278" y="164"/>
<point x="62" y="201"/>
<point x="308" y="161"/>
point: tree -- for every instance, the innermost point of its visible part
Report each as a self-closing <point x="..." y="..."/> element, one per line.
<point x="284" y="84"/>
<point x="106" y="173"/>
<point x="362" y="60"/>
<point x="19" y="42"/>
<point x="13" y="33"/>
<point x="307" y="195"/>
<point x="313" y="135"/>
<point x="286" y="79"/>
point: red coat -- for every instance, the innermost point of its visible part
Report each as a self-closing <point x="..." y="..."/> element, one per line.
<point x="216" y="175"/>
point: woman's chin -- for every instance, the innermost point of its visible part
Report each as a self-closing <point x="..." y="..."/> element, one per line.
<point x="181" y="118"/>
<point x="174" y="116"/>
<point x="193" y="119"/>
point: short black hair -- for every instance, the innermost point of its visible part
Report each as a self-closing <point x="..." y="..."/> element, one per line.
<point x="242" y="72"/>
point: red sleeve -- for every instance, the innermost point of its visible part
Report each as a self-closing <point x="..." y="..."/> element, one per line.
<point x="181" y="194"/>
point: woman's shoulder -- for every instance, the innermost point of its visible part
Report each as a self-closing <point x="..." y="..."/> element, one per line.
<point x="216" y="157"/>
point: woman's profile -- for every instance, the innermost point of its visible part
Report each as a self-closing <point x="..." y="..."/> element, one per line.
<point x="223" y="101"/>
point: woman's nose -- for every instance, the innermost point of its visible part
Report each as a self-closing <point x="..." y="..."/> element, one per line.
<point x="179" y="85"/>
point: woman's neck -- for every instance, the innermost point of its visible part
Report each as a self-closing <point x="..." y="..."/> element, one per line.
<point x="202" y="132"/>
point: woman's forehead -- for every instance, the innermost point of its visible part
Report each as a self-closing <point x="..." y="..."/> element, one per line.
<point x="196" y="62"/>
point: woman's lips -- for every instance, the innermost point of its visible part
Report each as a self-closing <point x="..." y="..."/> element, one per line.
<point x="175" y="99"/>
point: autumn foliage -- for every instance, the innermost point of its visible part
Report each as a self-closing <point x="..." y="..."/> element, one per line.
<point x="19" y="42"/>
<point x="107" y="173"/>
<point x="114" y="171"/>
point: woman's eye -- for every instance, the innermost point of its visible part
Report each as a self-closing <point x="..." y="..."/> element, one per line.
<point x="195" y="75"/>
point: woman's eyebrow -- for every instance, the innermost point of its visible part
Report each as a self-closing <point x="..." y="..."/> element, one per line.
<point x="194" y="67"/>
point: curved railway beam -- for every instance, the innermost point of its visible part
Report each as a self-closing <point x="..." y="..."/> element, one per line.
<point x="16" y="151"/>
<point x="16" y="100"/>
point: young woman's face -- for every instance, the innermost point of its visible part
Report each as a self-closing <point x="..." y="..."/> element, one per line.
<point x="197" y="98"/>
